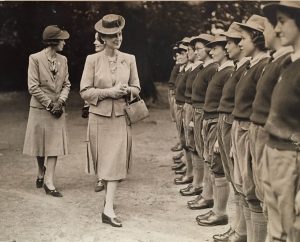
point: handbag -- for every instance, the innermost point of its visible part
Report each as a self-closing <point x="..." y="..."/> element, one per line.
<point x="136" y="109"/>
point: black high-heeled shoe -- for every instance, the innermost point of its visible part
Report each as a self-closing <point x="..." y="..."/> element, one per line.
<point x="115" y="222"/>
<point x="53" y="193"/>
<point x="40" y="181"/>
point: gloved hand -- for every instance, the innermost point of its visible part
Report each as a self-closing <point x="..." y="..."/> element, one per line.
<point x="56" y="109"/>
<point x="85" y="112"/>
<point x="118" y="91"/>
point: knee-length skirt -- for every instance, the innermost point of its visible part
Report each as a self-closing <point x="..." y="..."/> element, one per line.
<point x="109" y="147"/>
<point x="45" y="134"/>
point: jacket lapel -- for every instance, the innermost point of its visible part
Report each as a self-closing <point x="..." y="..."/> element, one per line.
<point x="44" y="61"/>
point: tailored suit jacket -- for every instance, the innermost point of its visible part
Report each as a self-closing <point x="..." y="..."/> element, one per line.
<point x="97" y="76"/>
<point x="41" y="83"/>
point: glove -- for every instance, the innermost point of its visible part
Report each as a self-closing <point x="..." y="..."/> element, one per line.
<point x="56" y="109"/>
<point x="117" y="91"/>
<point x="85" y="112"/>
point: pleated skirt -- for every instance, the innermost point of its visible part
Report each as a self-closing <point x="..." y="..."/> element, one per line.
<point x="109" y="147"/>
<point x="45" y="134"/>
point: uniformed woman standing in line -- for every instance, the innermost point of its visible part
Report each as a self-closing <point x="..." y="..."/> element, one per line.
<point x="49" y="86"/>
<point x="107" y="78"/>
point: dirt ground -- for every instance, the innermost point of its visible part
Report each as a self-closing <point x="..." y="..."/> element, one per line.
<point x="148" y="203"/>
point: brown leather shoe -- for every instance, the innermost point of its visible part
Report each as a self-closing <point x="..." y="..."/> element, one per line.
<point x="178" y="166"/>
<point x="235" y="237"/>
<point x="196" y="199"/>
<point x="183" y="180"/>
<point x="178" y="156"/>
<point x="223" y="237"/>
<point x="193" y="191"/>
<point x="182" y="171"/>
<point x="189" y="187"/>
<point x="213" y="220"/>
<point x="202" y="204"/>
<point x="204" y="215"/>
<point x="177" y="147"/>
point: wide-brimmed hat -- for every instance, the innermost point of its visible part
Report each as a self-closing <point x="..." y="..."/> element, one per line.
<point x="204" y="38"/>
<point x="233" y="32"/>
<point x="53" y="32"/>
<point x="110" y="24"/>
<point x="182" y="47"/>
<point x="218" y="39"/>
<point x="270" y="9"/>
<point x="184" y="41"/>
<point x="255" y="22"/>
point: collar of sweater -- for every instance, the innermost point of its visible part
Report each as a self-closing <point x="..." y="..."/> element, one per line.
<point x="282" y="51"/>
<point x="225" y="64"/>
<point x="258" y="58"/>
<point x="242" y="62"/>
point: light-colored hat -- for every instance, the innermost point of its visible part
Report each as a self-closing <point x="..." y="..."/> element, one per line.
<point x="53" y="32"/>
<point x="110" y="24"/>
<point x="233" y="32"/>
<point x="182" y="47"/>
<point x="218" y="39"/>
<point x="204" y="38"/>
<point x="255" y="22"/>
<point x="270" y="9"/>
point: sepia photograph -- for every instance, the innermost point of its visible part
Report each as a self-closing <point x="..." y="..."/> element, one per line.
<point x="150" y="121"/>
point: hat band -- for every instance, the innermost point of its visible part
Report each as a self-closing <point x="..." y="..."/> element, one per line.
<point x="111" y="24"/>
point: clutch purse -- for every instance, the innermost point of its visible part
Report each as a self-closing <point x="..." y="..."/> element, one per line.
<point x="136" y="110"/>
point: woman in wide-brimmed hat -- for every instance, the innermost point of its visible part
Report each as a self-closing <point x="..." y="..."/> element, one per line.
<point x="108" y="77"/>
<point x="48" y="83"/>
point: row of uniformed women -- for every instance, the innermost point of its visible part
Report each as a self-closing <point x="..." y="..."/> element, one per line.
<point x="237" y="115"/>
<point x="108" y="77"/>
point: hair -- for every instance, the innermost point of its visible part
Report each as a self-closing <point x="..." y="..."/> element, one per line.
<point x="293" y="13"/>
<point x="258" y="39"/>
<point x="51" y="43"/>
<point x="105" y="35"/>
<point x="234" y="40"/>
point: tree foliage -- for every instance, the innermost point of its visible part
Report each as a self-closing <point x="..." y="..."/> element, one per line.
<point x="151" y="30"/>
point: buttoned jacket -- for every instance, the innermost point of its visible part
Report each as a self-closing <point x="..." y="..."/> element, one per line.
<point x="42" y="85"/>
<point x="97" y="76"/>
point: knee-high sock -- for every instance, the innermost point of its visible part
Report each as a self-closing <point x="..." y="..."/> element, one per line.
<point x="221" y="192"/>
<point x="198" y="170"/>
<point x="189" y="164"/>
<point x="241" y="221"/>
<point x="237" y="213"/>
<point x="207" y="193"/>
<point x="259" y="227"/>
<point x="247" y="215"/>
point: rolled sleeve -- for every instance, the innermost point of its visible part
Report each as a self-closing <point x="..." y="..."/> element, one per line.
<point x="34" y="82"/>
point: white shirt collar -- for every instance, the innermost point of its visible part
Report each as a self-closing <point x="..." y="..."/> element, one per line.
<point x="258" y="58"/>
<point x="295" y="56"/>
<point x="188" y="66"/>
<point x="196" y="64"/>
<point x="282" y="51"/>
<point x="225" y="64"/>
<point x="208" y="62"/>
<point x="242" y="62"/>
<point x="181" y="68"/>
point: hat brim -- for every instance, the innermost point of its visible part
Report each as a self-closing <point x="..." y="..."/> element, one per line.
<point x="64" y="35"/>
<point x="99" y="27"/>
<point x="203" y="41"/>
<point x="249" y="27"/>
<point x="231" y="36"/>
<point x="213" y="43"/>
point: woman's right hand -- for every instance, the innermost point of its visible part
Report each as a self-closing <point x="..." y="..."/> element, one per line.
<point x="118" y="91"/>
